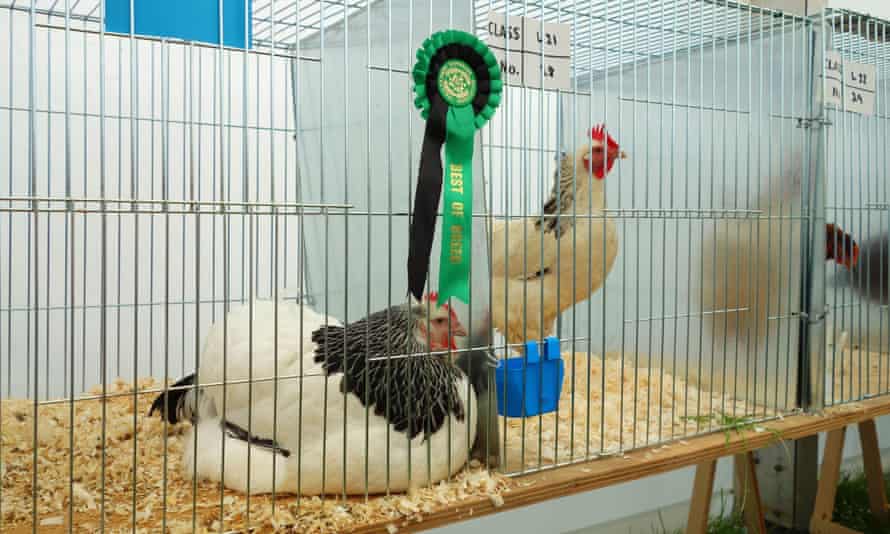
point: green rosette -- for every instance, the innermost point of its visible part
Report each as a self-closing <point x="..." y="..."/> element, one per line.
<point x="457" y="86"/>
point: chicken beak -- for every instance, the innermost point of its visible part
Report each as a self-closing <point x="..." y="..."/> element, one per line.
<point x="458" y="330"/>
<point x="616" y="153"/>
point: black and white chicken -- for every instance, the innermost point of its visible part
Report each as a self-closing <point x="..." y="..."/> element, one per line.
<point x="347" y="398"/>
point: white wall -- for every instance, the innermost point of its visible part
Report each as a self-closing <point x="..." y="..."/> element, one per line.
<point x="704" y="132"/>
<point x="175" y="149"/>
<point x="198" y="162"/>
<point x="208" y="127"/>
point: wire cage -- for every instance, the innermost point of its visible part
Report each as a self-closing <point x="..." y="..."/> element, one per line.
<point x="857" y="327"/>
<point x="698" y="321"/>
<point x="160" y="191"/>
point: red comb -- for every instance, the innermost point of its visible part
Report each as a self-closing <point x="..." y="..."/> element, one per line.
<point x="433" y="296"/>
<point x="598" y="133"/>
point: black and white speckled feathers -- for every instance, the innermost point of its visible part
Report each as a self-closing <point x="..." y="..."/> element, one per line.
<point x="561" y="196"/>
<point x="415" y="394"/>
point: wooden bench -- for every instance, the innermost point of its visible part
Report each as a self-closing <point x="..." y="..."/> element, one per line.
<point x="748" y="493"/>
<point x="703" y="452"/>
<point x="821" y="522"/>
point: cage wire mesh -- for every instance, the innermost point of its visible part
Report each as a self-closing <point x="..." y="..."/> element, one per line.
<point x="156" y="188"/>
<point x="857" y="326"/>
<point x="697" y="322"/>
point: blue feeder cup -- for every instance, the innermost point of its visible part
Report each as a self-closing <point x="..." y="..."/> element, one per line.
<point x="189" y="20"/>
<point x="542" y="379"/>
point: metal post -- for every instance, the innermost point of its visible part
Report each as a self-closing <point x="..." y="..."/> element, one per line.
<point x="787" y="479"/>
<point x="788" y="476"/>
<point x="811" y="374"/>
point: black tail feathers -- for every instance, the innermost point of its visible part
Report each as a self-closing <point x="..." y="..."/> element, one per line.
<point x="173" y="404"/>
<point x="235" y="431"/>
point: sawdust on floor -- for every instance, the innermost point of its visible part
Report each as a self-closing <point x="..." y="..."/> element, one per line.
<point x="621" y="416"/>
<point x="857" y="374"/>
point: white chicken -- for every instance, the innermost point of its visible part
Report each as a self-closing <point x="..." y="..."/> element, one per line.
<point x="568" y="256"/>
<point x="347" y="417"/>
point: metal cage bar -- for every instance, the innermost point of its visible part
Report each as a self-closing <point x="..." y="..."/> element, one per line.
<point x="156" y="195"/>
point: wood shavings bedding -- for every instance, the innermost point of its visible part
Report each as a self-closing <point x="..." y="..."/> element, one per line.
<point x="615" y="424"/>
<point x="171" y="500"/>
<point x="857" y="374"/>
<point x="621" y="415"/>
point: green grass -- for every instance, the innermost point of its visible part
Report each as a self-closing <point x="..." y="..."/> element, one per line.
<point x="851" y="510"/>
<point x="731" y="524"/>
<point x="734" y="424"/>
<point x="727" y="522"/>
<point x="851" y="504"/>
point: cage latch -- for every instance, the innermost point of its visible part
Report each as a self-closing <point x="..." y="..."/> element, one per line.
<point x="818" y="318"/>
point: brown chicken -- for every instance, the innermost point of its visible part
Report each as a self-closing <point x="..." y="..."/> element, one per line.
<point x="586" y="247"/>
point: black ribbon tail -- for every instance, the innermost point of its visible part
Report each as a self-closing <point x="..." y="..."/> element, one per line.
<point x="426" y="197"/>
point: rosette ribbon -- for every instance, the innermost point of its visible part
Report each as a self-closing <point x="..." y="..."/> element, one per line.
<point x="457" y="86"/>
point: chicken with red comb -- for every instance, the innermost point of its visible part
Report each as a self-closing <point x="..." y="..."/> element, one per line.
<point x="387" y="374"/>
<point x="530" y="288"/>
<point x="602" y="141"/>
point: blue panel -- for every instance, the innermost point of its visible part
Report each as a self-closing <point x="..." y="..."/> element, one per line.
<point x="190" y="20"/>
<point x="531" y="352"/>
<point x="528" y="390"/>
<point x="551" y="348"/>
